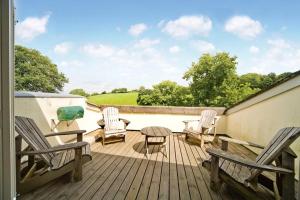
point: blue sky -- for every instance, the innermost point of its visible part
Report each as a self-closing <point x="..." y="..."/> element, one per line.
<point x="101" y="45"/>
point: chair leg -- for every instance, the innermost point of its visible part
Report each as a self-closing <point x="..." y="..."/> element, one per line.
<point x="78" y="165"/>
<point x="215" y="182"/>
<point x="103" y="140"/>
<point x="124" y="138"/>
<point x="202" y="141"/>
<point x="288" y="182"/>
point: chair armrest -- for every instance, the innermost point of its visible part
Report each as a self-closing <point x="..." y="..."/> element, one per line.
<point x="126" y="122"/>
<point x="227" y="139"/>
<point x="66" y="133"/>
<point x="56" y="148"/>
<point x="248" y="163"/>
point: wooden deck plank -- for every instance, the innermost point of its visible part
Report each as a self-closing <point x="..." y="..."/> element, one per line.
<point x="102" y="175"/>
<point x="100" y="161"/>
<point x="145" y="184"/>
<point x="202" y="186"/>
<point x="136" y="184"/>
<point x="198" y="153"/>
<point x="124" y="188"/>
<point x="165" y="175"/>
<point x="193" y="188"/>
<point x="184" y="191"/>
<point x="111" y="186"/>
<point x="121" y="171"/>
<point x="174" y="185"/>
<point x="155" y="182"/>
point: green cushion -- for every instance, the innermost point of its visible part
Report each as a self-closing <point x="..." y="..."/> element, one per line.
<point x="70" y="113"/>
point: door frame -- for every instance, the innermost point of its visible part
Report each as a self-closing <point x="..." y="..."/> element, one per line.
<point x="7" y="141"/>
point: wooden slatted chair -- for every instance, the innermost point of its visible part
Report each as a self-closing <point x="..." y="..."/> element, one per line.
<point x="114" y="125"/>
<point x="248" y="177"/>
<point x="45" y="162"/>
<point x="204" y="125"/>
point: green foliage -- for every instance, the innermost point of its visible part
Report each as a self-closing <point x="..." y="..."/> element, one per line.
<point x="95" y="93"/>
<point x="36" y="72"/>
<point x="261" y="82"/>
<point x="214" y="81"/>
<point x="114" y="99"/>
<point x="119" y="90"/>
<point x="166" y="93"/>
<point x="254" y="79"/>
<point x="104" y="92"/>
<point x="79" y="92"/>
<point x="145" y="97"/>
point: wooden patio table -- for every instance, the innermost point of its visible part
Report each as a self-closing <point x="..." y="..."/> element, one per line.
<point x="156" y="132"/>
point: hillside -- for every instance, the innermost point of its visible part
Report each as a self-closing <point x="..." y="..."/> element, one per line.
<point x="114" y="99"/>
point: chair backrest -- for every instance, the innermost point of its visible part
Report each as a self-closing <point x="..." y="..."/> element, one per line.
<point x="282" y="140"/>
<point x="33" y="136"/>
<point x="207" y="118"/>
<point x="111" y="118"/>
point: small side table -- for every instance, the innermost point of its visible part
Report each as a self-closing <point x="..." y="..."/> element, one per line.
<point x="155" y="132"/>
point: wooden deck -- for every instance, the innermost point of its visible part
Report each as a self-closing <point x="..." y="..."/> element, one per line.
<point x="121" y="171"/>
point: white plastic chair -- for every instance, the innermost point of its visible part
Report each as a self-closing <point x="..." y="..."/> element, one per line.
<point x="203" y="126"/>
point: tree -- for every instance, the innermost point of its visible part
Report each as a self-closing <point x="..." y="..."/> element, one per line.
<point x="261" y="82"/>
<point x="254" y="79"/>
<point x="119" y="90"/>
<point x="214" y="81"/>
<point x="36" y="72"/>
<point x="268" y="80"/>
<point x="167" y="93"/>
<point x="145" y="97"/>
<point x="79" y="92"/>
<point x="95" y="93"/>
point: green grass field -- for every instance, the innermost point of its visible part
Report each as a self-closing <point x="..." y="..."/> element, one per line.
<point x="114" y="99"/>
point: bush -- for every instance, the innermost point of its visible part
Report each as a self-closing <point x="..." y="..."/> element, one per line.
<point x="166" y="93"/>
<point x="119" y="90"/>
<point x="95" y="94"/>
<point x="79" y="92"/>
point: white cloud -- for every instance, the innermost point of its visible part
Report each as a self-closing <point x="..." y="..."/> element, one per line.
<point x="279" y="43"/>
<point x="120" y="65"/>
<point x="203" y="46"/>
<point x="174" y="49"/>
<point x="146" y="43"/>
<point x="62" y="48"/>
<point x="280" y="56"/>
<point x="161" y="23"/>
<point x="72" y="63"/>
<point x="31" y="27"/>
<point x="244" y="27"/>
<point x="186" y="26"/>
<point x="254" y="49"/>
<point x="137" y="29"/>
<point x="98" y="50"/>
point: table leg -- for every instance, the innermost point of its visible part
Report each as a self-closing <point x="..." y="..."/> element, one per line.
<point x="166" y="148"/>
<point x="146" y="146"/>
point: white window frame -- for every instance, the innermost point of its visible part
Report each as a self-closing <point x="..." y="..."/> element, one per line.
<point x="7" y="141"/>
